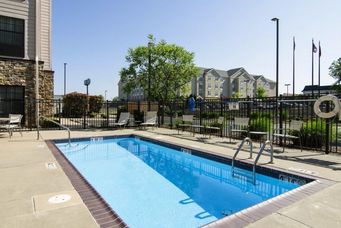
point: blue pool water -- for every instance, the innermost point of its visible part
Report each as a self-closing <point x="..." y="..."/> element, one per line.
<point x="150" y="185"/>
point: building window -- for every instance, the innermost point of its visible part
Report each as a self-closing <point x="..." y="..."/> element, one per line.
<point x="11" y="100"/>
<point x="12" y="37"/>
<point x="209" y="85"/>
<point x="208" y="93"/>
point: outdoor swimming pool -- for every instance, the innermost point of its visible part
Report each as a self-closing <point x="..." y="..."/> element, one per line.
<point x="151" y="185"/>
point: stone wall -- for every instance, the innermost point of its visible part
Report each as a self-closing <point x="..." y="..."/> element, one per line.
<point x="21" y="72"/>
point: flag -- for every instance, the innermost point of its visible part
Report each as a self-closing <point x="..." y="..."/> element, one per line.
<point x="314" y="48"/>
<point x="320" y="53"/>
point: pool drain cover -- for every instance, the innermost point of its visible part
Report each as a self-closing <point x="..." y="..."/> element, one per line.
<point x="59" y="198"/>
<point x="50" y="165"/>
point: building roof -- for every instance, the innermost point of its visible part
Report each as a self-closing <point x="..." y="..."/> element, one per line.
<point x="233" y="71"/>
<point x="256" y="76"/>
<point x="316" y="87"/>
<point x="222" y="73"/>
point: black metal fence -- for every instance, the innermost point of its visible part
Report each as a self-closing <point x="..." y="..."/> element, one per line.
<point x="265" y="115"/>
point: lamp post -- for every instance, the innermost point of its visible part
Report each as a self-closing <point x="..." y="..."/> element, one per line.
<point x="87" y="83"/>
<point x="277" y="52"/>
<point x="149" y="72"/>
<point x="275" y="19"/>
<point x="287" y="85"/>
<point x="65" y="78"/>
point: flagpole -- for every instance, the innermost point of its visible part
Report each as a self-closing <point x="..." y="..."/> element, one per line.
<point x="319" y="72"/>
<point x="312" y="68"/>
<point x="293" y="67"/>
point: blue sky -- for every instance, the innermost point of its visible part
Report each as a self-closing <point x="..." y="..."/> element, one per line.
<point x="93" y="37"/>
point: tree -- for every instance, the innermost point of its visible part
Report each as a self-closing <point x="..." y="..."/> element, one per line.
<point x="236" y="95"/>
<point x="171" y="68"/>
<point x="335" y="72"/>
<point x="74" y="104"/>
<point x="95" y="103"/>
<point x="260" y="92"/>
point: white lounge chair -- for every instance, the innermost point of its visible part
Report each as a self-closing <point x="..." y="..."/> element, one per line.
<point x="287" y="133"/>
<point x="123" y="120"/>
<point x="150" y="119"/>
<point x="218" y="126"/>
<point x="187" y="122"/>
<point x="240" y="125"/>
<point x="14" y="123"/>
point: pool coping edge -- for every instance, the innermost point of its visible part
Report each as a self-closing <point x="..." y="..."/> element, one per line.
<point x="100" y="210"/>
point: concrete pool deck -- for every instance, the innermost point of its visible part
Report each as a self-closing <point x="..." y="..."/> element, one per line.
<point x="27" y="180"/>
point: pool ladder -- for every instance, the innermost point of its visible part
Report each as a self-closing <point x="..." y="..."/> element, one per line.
<point x="260" y="152"/>
<point x="59" y="124"/>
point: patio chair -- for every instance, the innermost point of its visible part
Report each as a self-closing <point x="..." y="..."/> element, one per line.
<point x="123" y="120"/>
<point x="217" y="126"/>
<point x="14" y="123"/>
<point x="240" y="125"/>
<point x="187" y="122"/>
<point x="150" y="119"/>
<point x="287" y="133"/>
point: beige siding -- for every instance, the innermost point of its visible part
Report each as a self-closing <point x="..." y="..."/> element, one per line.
<point x="45" y="33"/>
<point x="27" y="10"/>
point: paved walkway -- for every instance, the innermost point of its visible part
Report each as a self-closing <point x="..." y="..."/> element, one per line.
<point x="27" y="182"/>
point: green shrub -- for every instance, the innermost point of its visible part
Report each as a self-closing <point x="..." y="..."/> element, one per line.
<point x="313" y="134"/>
<point x="48" y="124"/>
<point x="92" y="115"/>
<point x="256" y="115"/>
<point x="95" y="103"/>
<point x="260" y="124"/>
<point x="138" y="115"/>
<point x="74" y="104"/>
<point x="210" y="115"/>
<point x="285" y="115"/>
<point x="216" y="124"/>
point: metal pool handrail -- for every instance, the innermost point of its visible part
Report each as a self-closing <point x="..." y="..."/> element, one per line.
<point x="258" y="156"/>
<point x="60" y="125"/>
<point x="246" y="139"/>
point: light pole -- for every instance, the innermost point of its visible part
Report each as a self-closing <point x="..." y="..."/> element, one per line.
<point x="275" y="19"/>
<point x="287" y="85"/>
<point x="87" y="83"/>
<point x="277" y="52"/>
<point x="65" y="78"/>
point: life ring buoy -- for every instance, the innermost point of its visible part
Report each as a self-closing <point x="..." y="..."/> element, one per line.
<point x="330" y="114"/>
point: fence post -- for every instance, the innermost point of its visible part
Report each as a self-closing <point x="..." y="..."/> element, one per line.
<point x="200" y="113"/>
<point x="107" y="113"/>
<point x="221" y="106"/>
<point x="280" y="118"/>
<point x="59" y="112"/>
<point x="84" y="116"/>
<point x="158" y="114"/>
<point x="248" y="106"/>
<point x="171" y="105"/>
<point x="327" y="129"/>
<point x="30" y="114"/>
